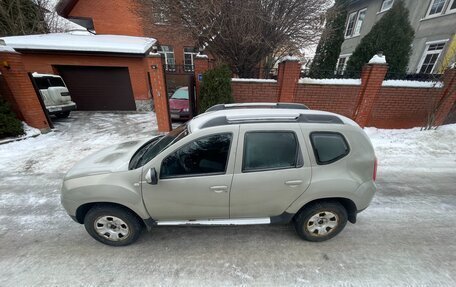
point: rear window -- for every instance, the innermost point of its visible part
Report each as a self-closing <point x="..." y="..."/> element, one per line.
<point x="329" y="146"/>
<point x="44" y="83"/>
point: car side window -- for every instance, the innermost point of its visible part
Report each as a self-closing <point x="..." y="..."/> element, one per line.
<point x="204" y="156"/>
<point x="271" y="150"/>
<point x="329" y="146"/>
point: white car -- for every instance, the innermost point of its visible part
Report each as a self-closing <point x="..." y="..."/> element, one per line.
<point x="55" y="94"/>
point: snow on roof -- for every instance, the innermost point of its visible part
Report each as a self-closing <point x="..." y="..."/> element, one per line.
<point x="253" y="80"/>
<point x="82" y="41"/>
<point x="329" y="81"/>
<point x="378" y="59"/>
<point x="4" y="48"/>
<point x="412" y="84"/>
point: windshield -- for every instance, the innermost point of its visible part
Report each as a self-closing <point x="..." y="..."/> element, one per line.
<point x="181" y="94"/>
<point x="152" y="148"/>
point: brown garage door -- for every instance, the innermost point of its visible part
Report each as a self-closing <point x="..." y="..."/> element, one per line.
<point x="99" y="88"/>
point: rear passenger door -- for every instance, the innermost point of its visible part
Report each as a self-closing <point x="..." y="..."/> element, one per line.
<point x="272" y="169"/>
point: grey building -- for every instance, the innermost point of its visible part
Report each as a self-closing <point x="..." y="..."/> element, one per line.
<point x="434" y="22"/>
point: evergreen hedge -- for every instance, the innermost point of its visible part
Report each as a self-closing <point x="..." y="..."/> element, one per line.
<point x="393" y="35"/>
<point x="10" y="126"/>
<point x="215" y="88"/>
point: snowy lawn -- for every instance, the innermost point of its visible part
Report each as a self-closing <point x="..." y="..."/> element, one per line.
<point x="405" y="238"/>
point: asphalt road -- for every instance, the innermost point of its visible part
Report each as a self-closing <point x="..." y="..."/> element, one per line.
<point x="405" y="238"/>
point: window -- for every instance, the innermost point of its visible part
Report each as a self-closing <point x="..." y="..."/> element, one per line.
<point x="341" y="64"/>
<point x="189" y="54"/>
<point x="430" y="57"/>
<point x="440" y="7"/>
<point x="328" y="146"/>
<point x="354" y="23"/>
<point x="270" y="150"/>
<point x="350" y="25"/>
<point x="204" y="156"/>
<point x="386" y="5"/>
<point x="168" y="53"/>
<point x="44" y="83"/>
<point x="436" y="7"/>
<point x="359" y="22"/>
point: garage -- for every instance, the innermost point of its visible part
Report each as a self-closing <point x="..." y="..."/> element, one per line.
<point x="99" y="88"/>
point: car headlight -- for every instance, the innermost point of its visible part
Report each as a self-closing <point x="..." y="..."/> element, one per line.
<point x="185" y="110"/>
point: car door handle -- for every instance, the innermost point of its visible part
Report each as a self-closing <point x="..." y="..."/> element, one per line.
<point x="219" y="188"/>
<point x="293" y="183"/>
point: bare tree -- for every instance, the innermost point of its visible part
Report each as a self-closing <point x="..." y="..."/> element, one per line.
<point x="242" y="33"/>
<point x="22" y="17"/>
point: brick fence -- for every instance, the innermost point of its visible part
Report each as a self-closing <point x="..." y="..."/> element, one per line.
<point x="370" y="101"/>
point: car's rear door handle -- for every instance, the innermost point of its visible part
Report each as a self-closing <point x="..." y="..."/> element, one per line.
<point x="219" y="188"/>
<point x="293" y="183"/>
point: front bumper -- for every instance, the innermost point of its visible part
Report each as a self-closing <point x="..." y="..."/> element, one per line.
<point x="180" y="115"/>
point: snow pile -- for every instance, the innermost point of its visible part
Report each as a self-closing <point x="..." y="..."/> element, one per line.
<point x="77" y="41"/>
<point x="411" y="84"/>
<point x="29" y="132"/>
<point x="4" y="48"/>
<point x="378" y="59"/>
<point x="253" y="80"/>
<point x="202" y="56"/>
<point x="329" y="81"/>
<point x="413" y="149"/>
<point x="289" y="58"/>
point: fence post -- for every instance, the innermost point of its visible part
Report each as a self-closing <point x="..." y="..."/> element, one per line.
<point x="448" y="96"/>
<point x="372" y="77"/>
<point x="287" y="79"/>
<point x="201" y="63"/>
<point x="157" y="80"/>
<point x="23" y="94"/>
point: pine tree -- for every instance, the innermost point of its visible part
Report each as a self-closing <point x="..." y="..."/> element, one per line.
<point x="393" y="35"/>
<point x="329" y="46"/>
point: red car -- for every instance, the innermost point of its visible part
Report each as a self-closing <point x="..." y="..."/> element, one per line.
<point x="179" y="104"/>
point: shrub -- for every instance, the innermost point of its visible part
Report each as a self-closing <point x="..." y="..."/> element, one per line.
<point x="10" y="126"/>
<point x="215" y="88"/>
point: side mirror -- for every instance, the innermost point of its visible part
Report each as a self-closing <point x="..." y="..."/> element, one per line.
<point x="151" y="176"/>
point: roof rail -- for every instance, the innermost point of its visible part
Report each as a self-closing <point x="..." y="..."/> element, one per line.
<point x="299" y="118"/>
<point x="220" y="107"/>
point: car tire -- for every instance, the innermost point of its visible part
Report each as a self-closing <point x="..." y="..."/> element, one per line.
<point x="62" y="115"/>
<point x="321" y="221"/>
<point x="112" y="225"/>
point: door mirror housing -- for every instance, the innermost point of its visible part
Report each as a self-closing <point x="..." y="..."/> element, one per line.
<point x="151" y="176"/>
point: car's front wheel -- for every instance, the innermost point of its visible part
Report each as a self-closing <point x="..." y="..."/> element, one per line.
<point x="112" y="225"/>
<point x="321" y="221"/>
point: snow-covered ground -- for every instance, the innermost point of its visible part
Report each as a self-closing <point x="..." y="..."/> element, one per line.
<point x="405" y="238"/>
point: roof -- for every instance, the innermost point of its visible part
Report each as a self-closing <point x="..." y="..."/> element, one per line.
<point x="236" y="116"/>
<point x="82" y="41"/>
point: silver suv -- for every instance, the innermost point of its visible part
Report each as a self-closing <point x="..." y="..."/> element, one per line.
<point x="229" y="166"/>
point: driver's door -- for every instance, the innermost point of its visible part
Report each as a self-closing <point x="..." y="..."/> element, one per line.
<point x="194" y="177"/>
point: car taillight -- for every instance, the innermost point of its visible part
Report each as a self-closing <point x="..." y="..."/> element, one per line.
<point x="374" y="176"/>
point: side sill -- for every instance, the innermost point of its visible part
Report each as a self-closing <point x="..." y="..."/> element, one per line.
<point x="283" y="218"/>
<point x="242" y="221"/>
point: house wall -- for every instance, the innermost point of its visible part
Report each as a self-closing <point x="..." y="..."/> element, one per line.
<point x="426" y="29"/>
<point x="110" y="17"/>
<point x="124" y="18"/>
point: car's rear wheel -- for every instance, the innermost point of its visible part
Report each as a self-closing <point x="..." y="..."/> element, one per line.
<point x="112" y="225"/>
<point x="321" y="221"/>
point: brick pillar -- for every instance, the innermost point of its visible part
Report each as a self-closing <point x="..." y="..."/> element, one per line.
<point x="18" y="82"/>
<point x="201" y="63"/>
<point x="372" y="77"/>
<point x="287" y="79"/>
<point x="448" y="97"/>
<point x="157" y="80"/>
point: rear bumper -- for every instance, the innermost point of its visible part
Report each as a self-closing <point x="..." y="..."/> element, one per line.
<point x="52" y="110"/>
